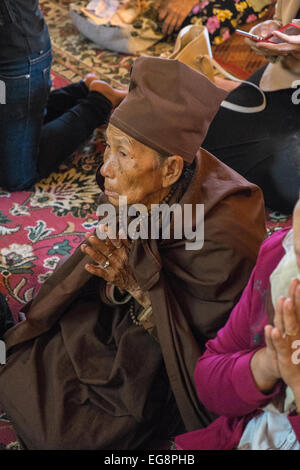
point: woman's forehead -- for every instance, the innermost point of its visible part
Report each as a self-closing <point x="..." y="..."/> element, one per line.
<point x="114" y="133"/>
<point x="137" y="148"/>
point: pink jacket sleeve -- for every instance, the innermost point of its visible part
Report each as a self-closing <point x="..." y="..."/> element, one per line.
<point x="223" y="377"/>
<point x="294" y="419"/>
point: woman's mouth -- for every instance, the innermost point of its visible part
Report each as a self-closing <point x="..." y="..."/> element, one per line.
<point x="108" y="192"/>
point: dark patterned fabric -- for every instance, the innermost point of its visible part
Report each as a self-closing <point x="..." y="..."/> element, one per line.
<point x="222" y="17"/>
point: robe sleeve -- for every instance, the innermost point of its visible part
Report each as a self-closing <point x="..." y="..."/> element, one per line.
<point x="209" y="282"/>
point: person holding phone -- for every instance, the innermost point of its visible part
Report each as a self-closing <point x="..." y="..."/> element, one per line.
<point x="288" y="45"/>
<point x="265" y="147"/>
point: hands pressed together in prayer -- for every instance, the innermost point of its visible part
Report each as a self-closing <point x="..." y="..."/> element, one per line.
<point x="290" y="46"/>
<point x="111" y="257"/>
<point x="280" y="359"/>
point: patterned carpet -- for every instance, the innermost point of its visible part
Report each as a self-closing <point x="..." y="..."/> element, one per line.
<point x="38" y="228"/>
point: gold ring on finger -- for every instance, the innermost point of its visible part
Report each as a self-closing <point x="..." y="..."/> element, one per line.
<point x="106" y="264"/>
<point x="294" y="333"/>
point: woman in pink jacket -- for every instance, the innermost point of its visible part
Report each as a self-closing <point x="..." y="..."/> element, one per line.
<point x="250" y="373"/>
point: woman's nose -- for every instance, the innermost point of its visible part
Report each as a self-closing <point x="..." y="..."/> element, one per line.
<point x="107" y="169"/>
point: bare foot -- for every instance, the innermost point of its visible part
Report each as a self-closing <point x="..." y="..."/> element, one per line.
<point x="228" y="85"/>
<point x="114" y="95"/>
<point x="89" y="78"/>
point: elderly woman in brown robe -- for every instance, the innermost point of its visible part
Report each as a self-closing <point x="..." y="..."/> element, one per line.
<point x="106" y="356"/>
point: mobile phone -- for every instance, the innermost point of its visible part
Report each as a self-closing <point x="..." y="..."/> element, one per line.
<point x="253" y="37"/>
<point x="291" y="29"/>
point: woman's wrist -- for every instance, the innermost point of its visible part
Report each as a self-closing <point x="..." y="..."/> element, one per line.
<point x="141" y="297"/>
<point x="264" y="376"/>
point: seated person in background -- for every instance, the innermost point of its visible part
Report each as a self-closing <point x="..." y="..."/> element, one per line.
<point x="250" y="373"/>
<point x="38" y="131"/>
<point x="221" y="17"/>
<point x="105" y="358"/>
<point x="264" y="147"/>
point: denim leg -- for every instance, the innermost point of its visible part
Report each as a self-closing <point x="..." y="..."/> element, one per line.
<point x="62" y="136"/>
<point x="21" y="119"/>
<point x="63" y="99"/>
<point x="34" y="139"/>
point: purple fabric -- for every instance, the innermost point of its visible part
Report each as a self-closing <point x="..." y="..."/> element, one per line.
<point x="223" y="377"/>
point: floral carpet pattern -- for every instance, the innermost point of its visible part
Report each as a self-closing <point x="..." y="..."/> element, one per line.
<point x="38" y="228"/>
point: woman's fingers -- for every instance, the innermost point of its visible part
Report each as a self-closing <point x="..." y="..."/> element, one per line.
<point x="98" y="250"/>
<point x="113" y="240"/>
<point x="169" y="22"/>
<point x="291" y="309"/>
<point x="101" y="246"/>
<point x="291" y="326"/>
<point x="109" y="236"/>
<point x="114" y="250"/>
<point x="268" y="339"/>
<point x="98" y="271"/>
<point x="95" y="255"/>
<point x="179" y="22"/>
<point x="297" y="303"/>
<point x="265" y="29"/>
<point x="278" y="318"/>
<point x="292" y="289"/>
<point x="276" y="49"/>
<point x="163" y="11"/>
<point x="279" y="343"/>
<point x="288" y="39"/>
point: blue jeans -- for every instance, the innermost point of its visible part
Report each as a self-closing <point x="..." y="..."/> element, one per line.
<point x="38" y="129"/>
<point x="27" y="85"/>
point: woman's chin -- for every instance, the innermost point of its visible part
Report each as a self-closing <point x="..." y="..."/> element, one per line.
<point x="114" y="200"/>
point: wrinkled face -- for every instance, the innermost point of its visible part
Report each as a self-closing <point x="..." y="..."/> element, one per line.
<point x="130" y="169"/>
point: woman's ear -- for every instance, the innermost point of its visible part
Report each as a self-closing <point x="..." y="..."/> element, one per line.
<point x="172" y="170"/>
<point x="296" y="230"/>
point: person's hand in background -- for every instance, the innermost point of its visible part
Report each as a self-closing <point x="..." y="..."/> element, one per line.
<point x="173" y="13"/>
<point x="289" y="47"/>
<point x="263" y="30"/>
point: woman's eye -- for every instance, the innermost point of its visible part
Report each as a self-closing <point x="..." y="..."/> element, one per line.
<point x="107" y="145"/>
<point x="123" y="153"/>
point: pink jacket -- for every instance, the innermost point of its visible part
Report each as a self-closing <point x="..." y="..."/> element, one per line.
<point x="223" y="378"/>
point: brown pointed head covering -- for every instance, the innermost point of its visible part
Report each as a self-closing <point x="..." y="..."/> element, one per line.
<point x="169" y="106"/>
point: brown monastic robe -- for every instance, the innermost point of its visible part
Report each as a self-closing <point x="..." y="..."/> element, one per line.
<point x="81" y="375"/>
